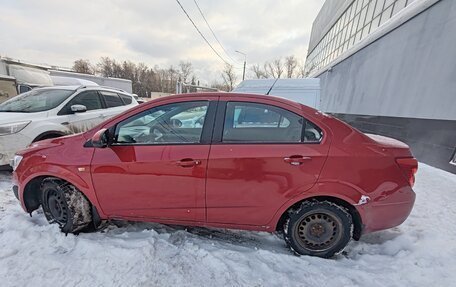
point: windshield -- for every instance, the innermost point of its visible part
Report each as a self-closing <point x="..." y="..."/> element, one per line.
<point x="36" y="101"/>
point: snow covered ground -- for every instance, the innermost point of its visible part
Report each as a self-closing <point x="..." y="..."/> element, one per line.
<point x="421" y="252"/>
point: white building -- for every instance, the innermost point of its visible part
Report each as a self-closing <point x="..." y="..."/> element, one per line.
<point x="388" y="67"/>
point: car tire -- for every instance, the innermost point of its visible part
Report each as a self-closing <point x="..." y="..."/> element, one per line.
<point x="318" y="228"/>
<point x="65" y="205"/>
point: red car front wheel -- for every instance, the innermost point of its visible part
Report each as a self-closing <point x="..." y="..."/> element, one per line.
<point x="65" y="205"/>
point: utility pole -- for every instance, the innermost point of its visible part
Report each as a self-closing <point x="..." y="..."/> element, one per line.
<point x="245" y="60"/>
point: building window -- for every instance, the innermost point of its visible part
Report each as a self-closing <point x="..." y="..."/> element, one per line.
<point x="359" y="20"/>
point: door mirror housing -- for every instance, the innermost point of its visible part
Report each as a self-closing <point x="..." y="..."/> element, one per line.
<point x="100" y="139"/>
<point x="23" y="88"/>
<point x="78" y="108"/>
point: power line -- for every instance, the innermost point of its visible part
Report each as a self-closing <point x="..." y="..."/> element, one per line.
<point x="212" y="31"/>
<point x="194" y="25"/>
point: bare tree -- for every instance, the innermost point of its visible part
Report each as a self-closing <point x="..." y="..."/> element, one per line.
<point x="290" y="64"/>
<point x="105" y="67"/>
<point x="274" y="69"/>
<point x="219" y="85"/>
<point x="146" y="80"/>
<point x="83" y="66"/>
<point x="229" y="76"/>
<point x="278" y="67"/>
<point x="305" y="71"/>
<point x="185" y="69"/>
<point x="302" y="69"/>
<point x="258" y="72"/>
<point x="128" y="71"/>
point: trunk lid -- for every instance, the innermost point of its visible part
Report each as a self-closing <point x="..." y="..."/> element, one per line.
<point x="394" y="146"/>
<point x="402" y="154"/>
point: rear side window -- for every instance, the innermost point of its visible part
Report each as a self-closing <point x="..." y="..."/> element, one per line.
<point x="126" y="99"/>
<point x="311" y="133"/>
<point x="111" y="99"/>
<point x="252" y="122"/>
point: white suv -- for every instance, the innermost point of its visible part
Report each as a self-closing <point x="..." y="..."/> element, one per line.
<point x="56" y="111"/>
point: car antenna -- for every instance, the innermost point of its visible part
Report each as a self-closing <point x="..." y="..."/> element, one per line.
<point x="272" y="86"/>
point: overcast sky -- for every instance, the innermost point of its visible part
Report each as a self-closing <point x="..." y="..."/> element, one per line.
<point x="156" y="32"/>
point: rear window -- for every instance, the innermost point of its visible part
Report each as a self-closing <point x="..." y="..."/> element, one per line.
<point x="111" y="99"/>
<point x="126" y="99"/>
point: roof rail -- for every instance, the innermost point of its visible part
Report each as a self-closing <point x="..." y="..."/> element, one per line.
<point x="112" y="88"/>
<point x="104" y="87"/>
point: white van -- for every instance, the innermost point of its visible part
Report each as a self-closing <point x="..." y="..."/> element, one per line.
<point x="305" y="91"/>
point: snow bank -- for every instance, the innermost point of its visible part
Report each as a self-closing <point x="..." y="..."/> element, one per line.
<point x="421" y="252"/>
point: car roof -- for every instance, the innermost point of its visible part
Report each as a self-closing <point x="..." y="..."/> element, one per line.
<point x="59" y="88"/>
<point x="226" y="97"/>
<point x="89" y="87"/>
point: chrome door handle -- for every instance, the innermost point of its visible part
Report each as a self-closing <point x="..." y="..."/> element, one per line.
<point x="296" y="159"/>
<point x="188" y="162"/>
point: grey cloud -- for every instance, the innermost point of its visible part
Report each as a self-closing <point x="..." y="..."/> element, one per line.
<point x="155" y="32"/>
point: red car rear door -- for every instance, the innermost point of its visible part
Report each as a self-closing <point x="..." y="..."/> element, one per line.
<point x="263" y="153"/>
<point x="156" y="167"/>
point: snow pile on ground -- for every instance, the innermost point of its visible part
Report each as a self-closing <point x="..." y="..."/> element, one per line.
<point x="421" y="252"/>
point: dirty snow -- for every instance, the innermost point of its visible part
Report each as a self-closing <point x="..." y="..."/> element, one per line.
<point x="421" y="252"/>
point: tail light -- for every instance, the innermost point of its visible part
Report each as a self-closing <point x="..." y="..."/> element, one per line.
<point x="409" y="167"/>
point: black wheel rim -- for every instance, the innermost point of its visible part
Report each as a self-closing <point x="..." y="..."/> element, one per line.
<point x="318" y="231"/>
<point x="57" y="207"/>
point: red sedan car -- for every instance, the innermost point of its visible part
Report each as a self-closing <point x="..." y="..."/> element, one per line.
<point x="224" y="160"/>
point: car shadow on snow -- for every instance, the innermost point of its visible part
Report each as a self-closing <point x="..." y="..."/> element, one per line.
<point x="381" y="237"/>
<point x="242" y="240"/>
<point x="220" y="237"/>
<point x="386" y="242"/>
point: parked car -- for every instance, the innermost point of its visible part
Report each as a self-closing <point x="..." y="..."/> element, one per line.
<point x="52" y="112"/>
<point x="254" y="162"/>
<point x="138" y="99"/>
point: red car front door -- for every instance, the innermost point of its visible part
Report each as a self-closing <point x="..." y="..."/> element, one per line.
<point x="262" y="156"/>
<point x="156" y="167"/>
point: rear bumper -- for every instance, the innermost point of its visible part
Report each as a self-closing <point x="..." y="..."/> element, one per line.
<point x="390" y="211"/>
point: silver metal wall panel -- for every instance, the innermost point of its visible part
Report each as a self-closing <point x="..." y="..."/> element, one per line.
<point x="410" y="72"/>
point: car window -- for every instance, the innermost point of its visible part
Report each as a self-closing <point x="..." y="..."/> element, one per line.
<point x="126" y="99"/>
<point x="251" y="122"/>
<point x="312" y="133"/>
<point x="111" y="99"/>
<point x="168" y="124"/>
<point x="90" y="99"/>
<point x="36" y="101"/>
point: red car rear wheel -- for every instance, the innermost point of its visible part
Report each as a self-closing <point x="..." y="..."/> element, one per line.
<point x="318" y="229"/>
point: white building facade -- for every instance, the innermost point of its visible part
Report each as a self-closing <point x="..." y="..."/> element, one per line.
<point x="388" y="67"/>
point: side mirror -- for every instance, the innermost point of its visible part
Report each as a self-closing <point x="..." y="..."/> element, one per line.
<point x="176" y="123"/>
<point x="22" y="88"/>
<point x="78" y="108"/>
<point x="100" y="139"/>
